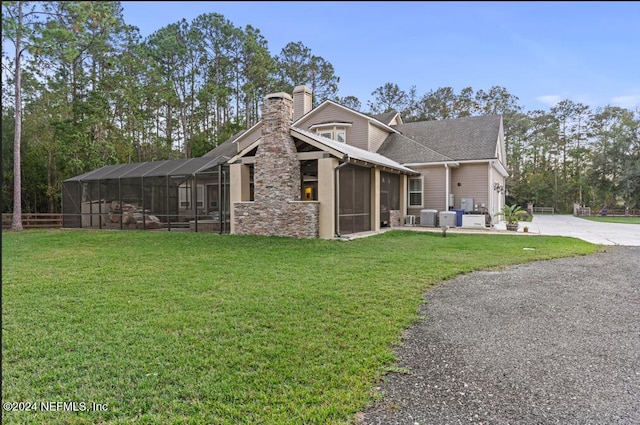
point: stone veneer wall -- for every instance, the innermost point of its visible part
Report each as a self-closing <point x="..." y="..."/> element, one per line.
<point x="395" y="218"/>
<point x="277" y="209"/>
<point x="293" y="219"/>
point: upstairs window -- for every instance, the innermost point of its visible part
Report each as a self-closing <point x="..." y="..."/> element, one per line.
<point x="335" y="131"/>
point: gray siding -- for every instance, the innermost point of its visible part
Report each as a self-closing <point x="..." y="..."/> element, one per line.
<point x="249" y="137"/>
<point x="433" y="189"/>
<point x="376" y="137"/>
<point x="473" y="179"/>
<point x="357" y="134"/>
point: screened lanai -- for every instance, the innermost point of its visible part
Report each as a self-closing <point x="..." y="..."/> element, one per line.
<point x="189" y="194"/>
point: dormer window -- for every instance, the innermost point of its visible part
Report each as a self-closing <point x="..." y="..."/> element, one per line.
<point x="333" y="130"/>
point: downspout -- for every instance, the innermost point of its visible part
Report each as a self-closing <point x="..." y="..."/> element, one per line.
<point x="490" y="188"/>
<point x="336" y="191"/>
<point x="447" y="186"/>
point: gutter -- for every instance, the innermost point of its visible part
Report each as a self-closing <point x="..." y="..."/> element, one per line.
<point x="336" y="191"/>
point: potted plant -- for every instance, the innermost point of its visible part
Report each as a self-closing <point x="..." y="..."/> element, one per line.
<point x="512" y="214"/>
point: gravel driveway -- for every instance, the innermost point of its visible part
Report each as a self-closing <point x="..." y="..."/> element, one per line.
<point x="550" y="342"/>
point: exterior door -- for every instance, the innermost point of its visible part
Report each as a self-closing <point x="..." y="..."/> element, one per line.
<point x="354" y="202"/>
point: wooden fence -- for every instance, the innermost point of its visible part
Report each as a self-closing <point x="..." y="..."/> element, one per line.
<point x="615" y="212"/>
<point x="34" y="220"/>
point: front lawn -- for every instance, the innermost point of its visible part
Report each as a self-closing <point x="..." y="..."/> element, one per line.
<point x="177" y="328"/>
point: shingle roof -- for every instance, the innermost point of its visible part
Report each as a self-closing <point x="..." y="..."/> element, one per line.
<point x="407" y="151"/>
<point x="386" y="117"/>
<point x="227" y="148"/>
<point x="468" y="138"/>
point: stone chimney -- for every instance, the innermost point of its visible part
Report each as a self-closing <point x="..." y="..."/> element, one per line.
<point x="277" y="169"/>
<point x="302" y="101"/>
<point x="277" y="209"/>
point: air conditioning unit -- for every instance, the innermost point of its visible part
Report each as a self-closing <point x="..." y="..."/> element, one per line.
<point x="429" y="218"/>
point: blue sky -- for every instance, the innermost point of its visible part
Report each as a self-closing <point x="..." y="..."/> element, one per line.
<point x="542" y="52"/>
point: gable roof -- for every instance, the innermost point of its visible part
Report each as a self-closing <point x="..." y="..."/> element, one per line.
<point x="386" y="117"/>
<point x="351" y="151"/>
<point x="326" y="104"/>
<point x="467" y="138"/>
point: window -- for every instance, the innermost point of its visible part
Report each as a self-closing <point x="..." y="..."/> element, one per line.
<point x="334" y="130"/>
<point x="415" y="192"/>
<point x="200" y="196"/>
<point x="184" y="192"/>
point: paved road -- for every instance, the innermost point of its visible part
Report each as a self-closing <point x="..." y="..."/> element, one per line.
<point x="590" y="231"/>
<point x="551" y="342"/>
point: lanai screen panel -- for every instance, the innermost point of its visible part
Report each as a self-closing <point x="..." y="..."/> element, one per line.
<point x="148" y="195"/>
<point x="354" y="209"/>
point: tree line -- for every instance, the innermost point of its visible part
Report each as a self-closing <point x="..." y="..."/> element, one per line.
<point x="83" y="89"/>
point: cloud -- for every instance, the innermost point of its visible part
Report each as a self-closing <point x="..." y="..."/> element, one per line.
<point x="627" y="102"/>
<point x="551" y="99"/>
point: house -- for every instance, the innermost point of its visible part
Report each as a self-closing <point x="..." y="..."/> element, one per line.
<point x="304" y="172"/>
<point x="330" y="171"/>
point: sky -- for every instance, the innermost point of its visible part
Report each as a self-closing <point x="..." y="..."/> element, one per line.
<point x="541" y="52"/>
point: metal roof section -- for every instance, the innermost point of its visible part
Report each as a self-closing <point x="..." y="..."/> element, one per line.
<point x="352" y="151"/>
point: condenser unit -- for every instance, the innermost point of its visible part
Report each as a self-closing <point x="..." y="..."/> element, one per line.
<point x="429" y="218"/>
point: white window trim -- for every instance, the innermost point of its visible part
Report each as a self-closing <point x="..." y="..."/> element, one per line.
<point x="185" y="195"/>
<point x="409" y="192"/>
<point x="333" y="129"/>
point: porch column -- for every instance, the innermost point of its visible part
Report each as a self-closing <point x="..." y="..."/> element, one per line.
<point x="326" y="196"/>
<point x="375" y="199"/>
<point x="239" y="189"/>
<point x="404" y="179"/>
<point x="490" y="189"/>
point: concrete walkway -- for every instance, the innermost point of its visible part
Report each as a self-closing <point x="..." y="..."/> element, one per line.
<point x="591" y="231"/>
<point x="599" y="233"/>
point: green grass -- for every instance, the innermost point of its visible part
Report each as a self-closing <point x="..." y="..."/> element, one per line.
<point x="606" y="219"/>
<point x="193" y="328"/>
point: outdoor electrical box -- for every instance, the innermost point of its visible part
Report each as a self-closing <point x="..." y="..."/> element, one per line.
<point x="466" y="204"/>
